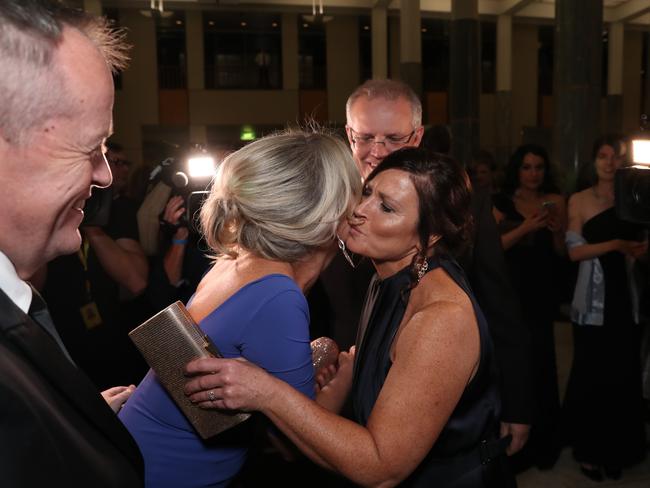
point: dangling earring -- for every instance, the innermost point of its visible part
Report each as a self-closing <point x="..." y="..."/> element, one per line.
<point x="422" y="270"/>
<point x="346" y="255"/>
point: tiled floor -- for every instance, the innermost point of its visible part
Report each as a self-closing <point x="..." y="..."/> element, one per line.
<point x="566" y="474"/>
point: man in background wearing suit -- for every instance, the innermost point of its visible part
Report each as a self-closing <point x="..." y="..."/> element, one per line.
<point x="384" y="116"/>
<point x="56" y="100"/>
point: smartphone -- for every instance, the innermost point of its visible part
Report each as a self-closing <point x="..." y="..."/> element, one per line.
<point x="548" y="204"/>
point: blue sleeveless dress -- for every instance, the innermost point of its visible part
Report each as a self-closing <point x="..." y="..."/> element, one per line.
<point x="266" y="322"/>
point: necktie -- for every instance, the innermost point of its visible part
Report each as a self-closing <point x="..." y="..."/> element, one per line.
<point x="39" y="313"/>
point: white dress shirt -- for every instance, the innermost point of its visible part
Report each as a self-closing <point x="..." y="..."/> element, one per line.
<point x="16" y="289"/>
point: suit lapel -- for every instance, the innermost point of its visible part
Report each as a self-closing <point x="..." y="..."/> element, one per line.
<point x="46" y="355"/>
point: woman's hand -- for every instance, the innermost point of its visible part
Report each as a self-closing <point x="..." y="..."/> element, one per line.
<point x="333" y="384"/>
<point x="635" y="249"/>
<point x="535" y="221"/>
<point x="232" y="384"/>
<point x="554" y="223"/>
<point x="116" y="396"/>
<point x="324" y="376"/>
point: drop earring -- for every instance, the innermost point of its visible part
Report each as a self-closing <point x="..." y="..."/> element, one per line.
<point x="346" y="255"/>
<point x="422" y="269"/>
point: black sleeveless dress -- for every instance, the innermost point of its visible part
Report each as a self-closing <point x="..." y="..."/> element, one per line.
<point x="603" y="404"/>
<point x="467" y="453"/>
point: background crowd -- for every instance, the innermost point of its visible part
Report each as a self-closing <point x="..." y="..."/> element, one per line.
<point x="513" y="252"/>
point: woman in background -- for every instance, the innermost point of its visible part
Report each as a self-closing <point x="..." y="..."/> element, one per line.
<point x="270" y="220"/>
<point x="603" y="401"/>
<point x="531" y="215"/>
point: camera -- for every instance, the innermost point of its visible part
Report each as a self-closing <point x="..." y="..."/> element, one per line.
<point x="632" y="186"/>
<point x="189" y="177"/>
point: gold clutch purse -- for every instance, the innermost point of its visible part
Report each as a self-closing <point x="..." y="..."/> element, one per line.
<point x="168" y="341"/>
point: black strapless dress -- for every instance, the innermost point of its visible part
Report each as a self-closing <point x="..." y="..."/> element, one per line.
<point x="467" y="452"/>
<point x="603" y="404"/>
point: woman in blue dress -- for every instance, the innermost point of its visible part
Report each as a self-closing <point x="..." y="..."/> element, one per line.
<point x="270" y="220"/>
<point x="423" y="384"/>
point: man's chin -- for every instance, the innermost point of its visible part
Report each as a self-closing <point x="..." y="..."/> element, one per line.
<point x="67" y="244"/>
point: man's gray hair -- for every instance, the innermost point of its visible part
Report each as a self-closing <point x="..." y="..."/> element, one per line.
<point x="32" y="87"/>
<point x="389" y="90"/>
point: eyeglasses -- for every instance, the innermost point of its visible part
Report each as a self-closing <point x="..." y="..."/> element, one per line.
<point x="391" y="142"/>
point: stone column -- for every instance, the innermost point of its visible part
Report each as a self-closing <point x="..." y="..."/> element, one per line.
<point x="503" y="108"/>
<point x="195" y="68"/>
<point x="137" y="103"/>
<point x="464" y="79"/>
<point x="411" y="45"/>
<point x="379" y="37"/>
<point x="290" y="78"/>
<point x="646" y="62"/>
<point x="577" y="87"/>
<point x="615" y="77"/>
<point x="342" y="44"/>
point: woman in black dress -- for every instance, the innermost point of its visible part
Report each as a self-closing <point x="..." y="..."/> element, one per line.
<point x="603" y="402"/>
<point x="424" y="388"/>
<point x="531" y="215"/>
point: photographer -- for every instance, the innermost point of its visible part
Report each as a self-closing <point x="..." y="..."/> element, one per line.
<point x="181" y="264"/>
<point x="84" y="289"/>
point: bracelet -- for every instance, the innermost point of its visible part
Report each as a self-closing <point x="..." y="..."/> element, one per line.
<point x="180" y="242"/>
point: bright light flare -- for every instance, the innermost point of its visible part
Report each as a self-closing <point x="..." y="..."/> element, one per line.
<point x="201" y="167"/>
<point x="641" y="151"/>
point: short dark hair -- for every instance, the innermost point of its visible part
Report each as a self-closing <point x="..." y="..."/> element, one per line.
<point x="511" y="180"/>
<point x="443" y="190"/>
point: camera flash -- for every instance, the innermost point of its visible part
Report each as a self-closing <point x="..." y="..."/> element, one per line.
<point x="641" y="151"/>
<point x="201" y="166"/>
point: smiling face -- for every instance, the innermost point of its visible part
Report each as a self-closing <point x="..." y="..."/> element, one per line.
<point x="47" y="180"/>
<point x="384" y="226"/>
<point x="386" y="121"/>
<point x="531" y="172"/>
<point x="607" y="162"/>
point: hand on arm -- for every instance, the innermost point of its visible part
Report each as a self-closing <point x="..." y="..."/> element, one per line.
<point x="435" y="357"/>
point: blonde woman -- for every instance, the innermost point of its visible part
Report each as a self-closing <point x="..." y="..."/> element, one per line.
<point x="271" y="221"/>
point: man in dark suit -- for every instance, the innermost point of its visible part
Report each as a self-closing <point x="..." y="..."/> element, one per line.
<point x="384" y="116"/>
<point x="56" y="99"/>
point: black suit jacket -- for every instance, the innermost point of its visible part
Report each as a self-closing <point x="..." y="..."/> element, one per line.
<point x="338" y="299"/>
<point x="55" y="428"/>
<point x="487" y="272"/>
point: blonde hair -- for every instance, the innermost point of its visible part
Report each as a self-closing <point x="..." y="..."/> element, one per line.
<point x="281" y="196"/>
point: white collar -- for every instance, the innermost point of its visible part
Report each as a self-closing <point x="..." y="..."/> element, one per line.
<point x="16" y="289"/>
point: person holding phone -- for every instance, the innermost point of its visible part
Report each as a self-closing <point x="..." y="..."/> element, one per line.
<point x="531" y="214"/>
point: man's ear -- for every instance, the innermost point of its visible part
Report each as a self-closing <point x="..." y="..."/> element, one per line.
<point x="417" y="137"/>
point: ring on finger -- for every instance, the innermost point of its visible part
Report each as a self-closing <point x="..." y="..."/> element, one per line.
<point x="211" y="396"/>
